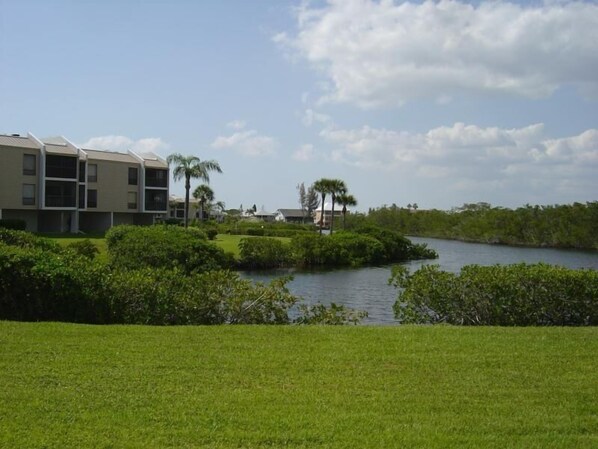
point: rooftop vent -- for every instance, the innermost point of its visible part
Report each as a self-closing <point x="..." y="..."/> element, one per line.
<point x="15" y="135"/>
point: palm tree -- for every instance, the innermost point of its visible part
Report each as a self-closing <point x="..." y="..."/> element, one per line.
<point x="336" y="187"/>
<point x="322" y="186"/>
<point x="191" y="167"/>
<point x="346" y="200"/>
<point x="203" y="193"/>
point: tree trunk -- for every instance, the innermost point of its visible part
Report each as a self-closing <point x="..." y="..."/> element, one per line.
<point x="187" y="188"/>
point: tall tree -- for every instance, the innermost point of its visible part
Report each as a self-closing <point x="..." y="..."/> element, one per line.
<point x="204" y="194"/>
<point x="311" y="201"/>
<point x="345" y="200"/>
<point x="302" y="199"/>
<point x="322" y="186"/>
<point x="336" y="187"/>
<point x="188" y="167"/>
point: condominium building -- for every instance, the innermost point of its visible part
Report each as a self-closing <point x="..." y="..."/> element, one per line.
<point x="56" y="186"/>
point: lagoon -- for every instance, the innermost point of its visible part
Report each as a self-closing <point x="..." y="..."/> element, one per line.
<point x="367" y="288"/>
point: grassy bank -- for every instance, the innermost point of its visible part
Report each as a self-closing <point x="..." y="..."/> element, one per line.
<point x="70" y="385"/>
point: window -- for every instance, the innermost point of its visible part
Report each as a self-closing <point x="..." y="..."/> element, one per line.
<point x="28" y="194"/>
<point x="29" y="164"/>
<point x="81" y="196"/>
<point x="92" y="173"/>
<point x="81" y="171"/>
<point x="132" y="200"/>
<point x="61" y="194"/>
<point x="155" y="200"/>
<point x="61" y="166"/>
<point x="92" y="198"/>
<point x="132" y="176"/>
<point x="156" y="178"/>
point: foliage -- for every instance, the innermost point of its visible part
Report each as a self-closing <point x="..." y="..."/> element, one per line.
<point x="161" y="246"/>
<point x="264" y="252"/>
<point x="191" y="167"/>
<point x="265" y="229"/>
<point x="332" y="315"/>
<point x="27" y="240"/>
<point x="368" y="246"/>
<point x="561" y="226"/>
<point x="85" y="248"/>
<point x="38" y="284"/>
<point x="16" y="224"/>
<point x="165" y="297"/>
<point x="41" y="282"/>
<point x="507" y="295"/>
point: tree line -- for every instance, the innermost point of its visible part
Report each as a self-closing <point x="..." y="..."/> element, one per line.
<point x="559" y="226"/>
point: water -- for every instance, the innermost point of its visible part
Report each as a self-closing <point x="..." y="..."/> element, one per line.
<point x="368" y="289"/>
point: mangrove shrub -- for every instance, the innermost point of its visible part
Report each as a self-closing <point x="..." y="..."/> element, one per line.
<point x="499" y="295"/>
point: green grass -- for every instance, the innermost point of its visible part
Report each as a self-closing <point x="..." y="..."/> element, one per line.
<point x="66" y="385"/>
<point x="98" y="241"/>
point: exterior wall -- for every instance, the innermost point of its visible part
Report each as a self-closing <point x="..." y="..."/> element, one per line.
<point x="29" y="216"/>
<point x="12" y="179"/>
<point x="59" y="215"/>
<point x="113" y="186"/>
<point x="95" y="221"/>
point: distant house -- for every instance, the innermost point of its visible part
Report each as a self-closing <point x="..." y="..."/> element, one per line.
<point x="292" y="216"/>
<point x="264" y="216"/>
<point x="338" y="212"/>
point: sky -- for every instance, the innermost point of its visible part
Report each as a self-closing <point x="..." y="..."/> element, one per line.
<point x="438" y="103"/>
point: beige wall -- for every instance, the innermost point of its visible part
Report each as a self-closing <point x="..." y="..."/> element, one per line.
<point x="12" y="179"/>
<point x="113" y="186"/>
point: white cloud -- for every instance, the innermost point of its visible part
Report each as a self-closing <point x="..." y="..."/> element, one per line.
<point x="382" y="53"/>
<point x="123" y="144"/>
<point x="237" y="124"/>
<point x="463" y="156"/>
<point x="304" y="153"/>
<point x="248" y="143"/>
<point x="310" y="117"/>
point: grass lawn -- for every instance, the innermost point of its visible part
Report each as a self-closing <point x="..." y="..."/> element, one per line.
<point x="67" y="386"/>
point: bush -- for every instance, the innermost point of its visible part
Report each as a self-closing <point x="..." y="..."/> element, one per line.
<point x="41" y="285"/>
<point x="84" y="248"/>
<point x="264" y="252"/>
<point x="15" y="224"/>
<point x="398" y="248"/>
<point x="340" y="249"/>
<point x="332" y="315"/>
<point x="508" y="295"/>
<point x="160" y="246"/>
<point x="25" y="239"/>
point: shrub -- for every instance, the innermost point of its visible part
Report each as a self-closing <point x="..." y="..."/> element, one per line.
<point x="41" y="285"/>
<point x="84" y="248"/>
<point x="264" y="252"/>
<point x="331" y="315"/>
<point x="398" y="248"/>
<point x="160" y="246"/>
<point x="27" y="240"/>
<point x="16" y="224"/>
<point x="340" y="249"/>
<point x="507" y="295"/>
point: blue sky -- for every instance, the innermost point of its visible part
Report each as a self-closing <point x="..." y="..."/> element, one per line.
<point x="439" y="103"/>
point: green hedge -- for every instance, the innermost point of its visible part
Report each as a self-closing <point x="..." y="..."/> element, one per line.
<point x="41" y="281"/>
<point x="502" y="295"/>
<point x="16" y="224"/>
<point x="264" y="252"/>
<point x="162" y="246"/>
